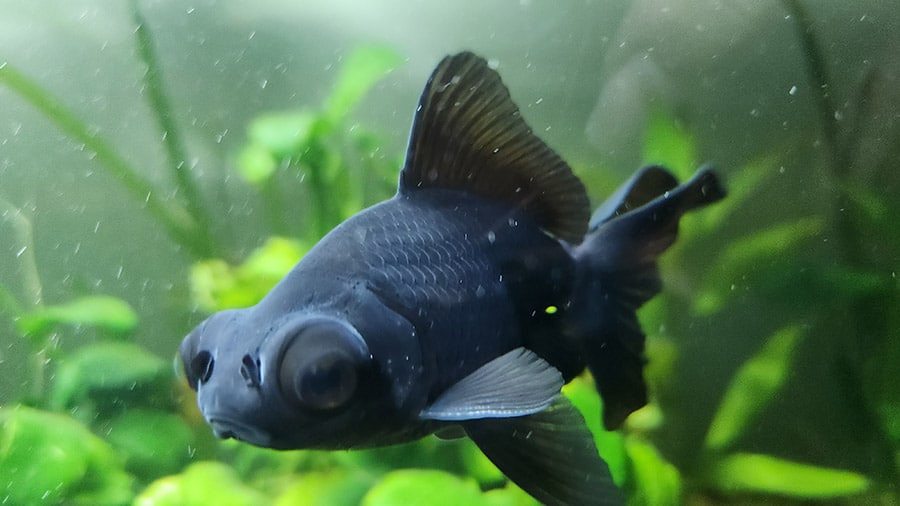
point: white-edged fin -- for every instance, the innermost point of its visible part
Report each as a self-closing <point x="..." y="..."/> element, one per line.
<point x="550" y="454"/>
<point x="517" y="383"/>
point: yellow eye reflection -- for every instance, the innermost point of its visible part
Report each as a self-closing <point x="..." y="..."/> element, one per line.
<point x="551" y="309"/>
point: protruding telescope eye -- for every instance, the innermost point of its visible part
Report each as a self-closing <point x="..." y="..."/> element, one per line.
<point x="320" y="366"/>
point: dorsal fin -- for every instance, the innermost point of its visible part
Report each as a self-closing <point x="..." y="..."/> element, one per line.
<point x="469" y="135"/>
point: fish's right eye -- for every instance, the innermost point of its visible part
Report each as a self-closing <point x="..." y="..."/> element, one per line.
<point x="199" y="368"/>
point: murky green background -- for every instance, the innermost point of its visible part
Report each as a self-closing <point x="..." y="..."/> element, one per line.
<point x="160" y="160"/>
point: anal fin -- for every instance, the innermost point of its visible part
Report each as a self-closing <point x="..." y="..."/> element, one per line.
<point x="550" y="454"/>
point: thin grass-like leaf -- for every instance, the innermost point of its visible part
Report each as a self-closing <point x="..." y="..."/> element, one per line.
<point x="173" y="217"/>
<point x="745" y="256"/>
<point x="753" y="387"/>
<point x="764" y="474"/>
<point x="361" y="69"/>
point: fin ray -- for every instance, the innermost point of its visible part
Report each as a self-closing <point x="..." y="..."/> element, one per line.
<point x="550" y="454"/>
<point x="514" y="384"/>
<point x="469" y="135"/>
<point x="628" y="234"/>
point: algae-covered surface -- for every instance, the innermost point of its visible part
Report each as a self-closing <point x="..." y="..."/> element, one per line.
<point x="160" y="161"/>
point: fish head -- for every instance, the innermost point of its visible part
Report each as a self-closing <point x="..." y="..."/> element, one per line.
<point x="307" y="381"/>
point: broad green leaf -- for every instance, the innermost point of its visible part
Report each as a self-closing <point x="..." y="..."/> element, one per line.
<point x="743" y="257"/>
<point x="743" y="473"/>
<point x="656" y="481"/>
<point x="48" y="458"/>
<point x="754" y="385"/>
<point x="215" y="285"/>
<point x="110" y="314"/>
<point x="584" y="396"/>
<point x="873" y="204"/>
<point x="477" y="465"/>
<point x="420" y="486"/>
<point x="256" y="163"/>
<point x="667" y="143"/>
<point x="332" y="488"/>
<point x="283" y="134"/>
<point x="510" y="495"/>
<point x="154" y="443"/>
<point x="361" y="69"/>
<point x="201" y="484"/>
<point x="109" y="373"/>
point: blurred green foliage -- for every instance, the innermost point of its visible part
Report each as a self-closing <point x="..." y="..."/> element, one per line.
<point x="107" y="422"/>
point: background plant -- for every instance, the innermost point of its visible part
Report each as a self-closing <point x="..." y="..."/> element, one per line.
<point x="125" y="429"/>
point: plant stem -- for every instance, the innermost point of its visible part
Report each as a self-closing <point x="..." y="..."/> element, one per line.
<point x="865" y="318"/>
<point x="22" y="238"/>
<point x="315" y="160"/>
<point x="172" y="138"/>
<point x="820" y="80"/>
<point x="173" y="217"/>
<point x="32" y="291"/>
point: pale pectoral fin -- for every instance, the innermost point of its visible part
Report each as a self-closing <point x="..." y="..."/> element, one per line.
<point x="517" y="383"/>
<point x="550" y="454"/>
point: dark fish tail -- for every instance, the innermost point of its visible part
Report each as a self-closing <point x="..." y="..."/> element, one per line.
<point x="617" y="266"/>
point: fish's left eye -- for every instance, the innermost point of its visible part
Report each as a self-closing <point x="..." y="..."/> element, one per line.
<point x="326" y="383"/>
<point x="319" y="368"/>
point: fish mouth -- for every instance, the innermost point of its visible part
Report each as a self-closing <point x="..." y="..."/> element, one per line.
<point x="225" y="428"/>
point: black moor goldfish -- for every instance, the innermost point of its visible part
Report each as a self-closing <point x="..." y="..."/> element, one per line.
<point x="464" y="302"/>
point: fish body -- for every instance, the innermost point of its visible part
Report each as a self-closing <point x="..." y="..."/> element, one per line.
<point x="465" y="301"/>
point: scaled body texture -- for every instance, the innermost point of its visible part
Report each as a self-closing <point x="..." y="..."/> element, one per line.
<point x="466" y="301"/>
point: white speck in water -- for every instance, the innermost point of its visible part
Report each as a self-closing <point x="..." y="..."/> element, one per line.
<point x="838" y="115"/>
<point x="496" y="150"/>
<point x="252" y="34"/>
<point x="491" y="237"/>
<point x="21" y="251"/>
<point x="221" y="136"/>
<point x="538" y="101"/>
<point x="793" y="90"/>
<point x="190" y="10"/>
<point x="480" y="291"/>
<point x="754" y="113"/>
<point x="119" y="272"/>
<point x="264" y="83"/>
<point x="512" y="222"/>
<point x="96" y="227"/>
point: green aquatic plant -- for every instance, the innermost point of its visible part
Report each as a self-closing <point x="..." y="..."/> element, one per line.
<point x="123" y="429"/>
<point x="770" y="260"/>
<point x="185" y="220"/>
<point x="97" y="415"/>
